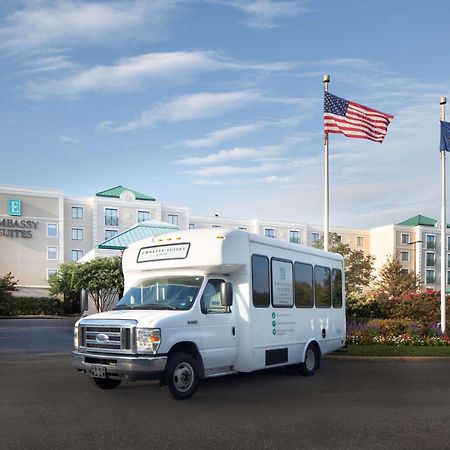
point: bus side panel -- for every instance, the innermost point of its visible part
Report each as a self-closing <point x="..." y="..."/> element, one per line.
<point x="280" y="334"/>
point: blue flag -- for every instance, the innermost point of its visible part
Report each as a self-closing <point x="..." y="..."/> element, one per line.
<point x="445" y="136"/>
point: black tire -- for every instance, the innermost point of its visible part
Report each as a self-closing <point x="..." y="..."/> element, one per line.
<point x="311" y="363"/>
<point x="181" y="377"/>
<point x="105" y="383"/>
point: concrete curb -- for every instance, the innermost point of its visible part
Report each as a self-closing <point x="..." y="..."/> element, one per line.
<point x="40" y="317"/>
<point x="388" y="358"/>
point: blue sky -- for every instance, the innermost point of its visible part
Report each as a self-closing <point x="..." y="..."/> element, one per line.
<point x="217" y="104"/>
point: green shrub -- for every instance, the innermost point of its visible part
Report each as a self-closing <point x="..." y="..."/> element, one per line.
<point x="423" y="307"/>
<point x="367" y="306"/>
<point x="24" y="306"/>
<point x="7" y="284"/>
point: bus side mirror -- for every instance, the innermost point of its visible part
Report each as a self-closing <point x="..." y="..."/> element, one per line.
<point x="83" y="300"/>
<point x="226" y="293"/>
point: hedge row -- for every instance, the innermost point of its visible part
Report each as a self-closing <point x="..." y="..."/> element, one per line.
<point x="24" y="306"/>
<point x="396" y="332"/>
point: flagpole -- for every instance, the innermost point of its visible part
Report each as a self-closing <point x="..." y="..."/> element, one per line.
<point x="326" y="199"/>
<point x="442" y="102"/>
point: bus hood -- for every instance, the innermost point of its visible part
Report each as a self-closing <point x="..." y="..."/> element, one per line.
<point x="144" y="318"/>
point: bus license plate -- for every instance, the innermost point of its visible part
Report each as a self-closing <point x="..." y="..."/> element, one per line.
<point x="98" y="371"/>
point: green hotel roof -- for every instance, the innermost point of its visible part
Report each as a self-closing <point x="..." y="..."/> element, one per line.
<point x="115" y="192"/>
<point x="139" y="231"/>
<point x="419" y="220"/>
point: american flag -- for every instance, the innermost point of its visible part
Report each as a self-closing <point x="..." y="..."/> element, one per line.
<point x="354" y="120"/>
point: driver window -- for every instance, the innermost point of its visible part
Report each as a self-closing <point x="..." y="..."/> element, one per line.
<point x="211" y="298"/>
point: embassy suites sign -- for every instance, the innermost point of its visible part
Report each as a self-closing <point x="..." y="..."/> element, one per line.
<point x="16" y="228"/>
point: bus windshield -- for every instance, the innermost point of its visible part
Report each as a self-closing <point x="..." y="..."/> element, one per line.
<point x="171" y="293"/>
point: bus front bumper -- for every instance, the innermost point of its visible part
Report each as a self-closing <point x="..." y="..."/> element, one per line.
<point x="120" y="367"/>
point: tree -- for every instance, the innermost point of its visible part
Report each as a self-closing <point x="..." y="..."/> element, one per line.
<point x="103" y="278"/>
<point x="358" y="267"/>
<point x="393" y="280"/>
<point x="7" y="284"/>
<point x="64" y="283"/>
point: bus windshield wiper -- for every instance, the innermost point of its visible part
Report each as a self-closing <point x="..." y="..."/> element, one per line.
<point x="162" y="307"/>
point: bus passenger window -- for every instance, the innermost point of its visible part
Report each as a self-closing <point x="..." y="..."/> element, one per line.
<point x="304" y="294"/>
<point x="336" y="288"/>
<point x="322" y="278"/>
<point x="260" y="281"/>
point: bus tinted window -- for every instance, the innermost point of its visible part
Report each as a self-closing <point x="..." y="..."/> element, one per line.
<point x="322" y="278"/>
<point x="304" y="294"/>
<point x="260" y="281"/>
<point x="336" y="288"/>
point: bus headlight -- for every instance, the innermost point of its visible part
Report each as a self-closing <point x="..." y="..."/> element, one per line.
<point x="148" y="340"/>
<point x="75" y="338"/>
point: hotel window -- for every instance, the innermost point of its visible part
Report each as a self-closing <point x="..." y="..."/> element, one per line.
<point x="77" y="234"/>
<point x="269" y="232"/>
<point x="315" y="237"/>
<point x="448" y="276"/>
<point x="192" y="226"/>
<point x="404" y="271"/>
<point x="360" y="241"/>
<point x="294" y="236"/>
<point x="111" y="216"/>
<point x="75" y="255"/>
<point x="404" y="256"/>
<point x="52" y="253"/>
<point x="431" y="241"/>
<point x="173" y="219"/>
<point x="51" y="272"/>
<point x="429" y="278"/>
<point x="110" y="234"/>
<point x="338" y="238"/>
<point x="52" y="230"/>
<point x="448" y="242"/>
<point x="448" y="260"/>
<point x="242" y="228"/>
<point x="142" y="216"/>
<point x="431" y="259"/>
<point x="405" y="238"/>
<point x="77" y="212"/>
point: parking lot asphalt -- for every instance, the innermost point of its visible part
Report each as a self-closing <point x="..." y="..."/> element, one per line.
<point x="379" y="404"/>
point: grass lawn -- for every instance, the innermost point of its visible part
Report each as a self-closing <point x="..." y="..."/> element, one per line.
<point x="388" y="350"/>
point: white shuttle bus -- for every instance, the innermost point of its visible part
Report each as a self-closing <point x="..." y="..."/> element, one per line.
<point x="210" y="302"/>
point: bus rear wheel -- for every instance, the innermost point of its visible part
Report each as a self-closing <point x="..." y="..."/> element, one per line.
<point x="311" y="363"/>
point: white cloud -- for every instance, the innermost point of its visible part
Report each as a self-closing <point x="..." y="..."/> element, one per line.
<point x="69" y="139"/>
<point x="56" y="23"/>
<point x="275" y="181"/>
<point x="190" y="107"/>
<point x="129" y="73"/>
<point x="219" y="136"/>
<point x="266" y="13"/>
<point x="208" y="172"/>
<point x="234" y="154"/>
<point x="48" y="63"/>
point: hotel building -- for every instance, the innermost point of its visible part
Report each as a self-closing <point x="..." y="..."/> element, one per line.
<point x="42" y="228"/>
